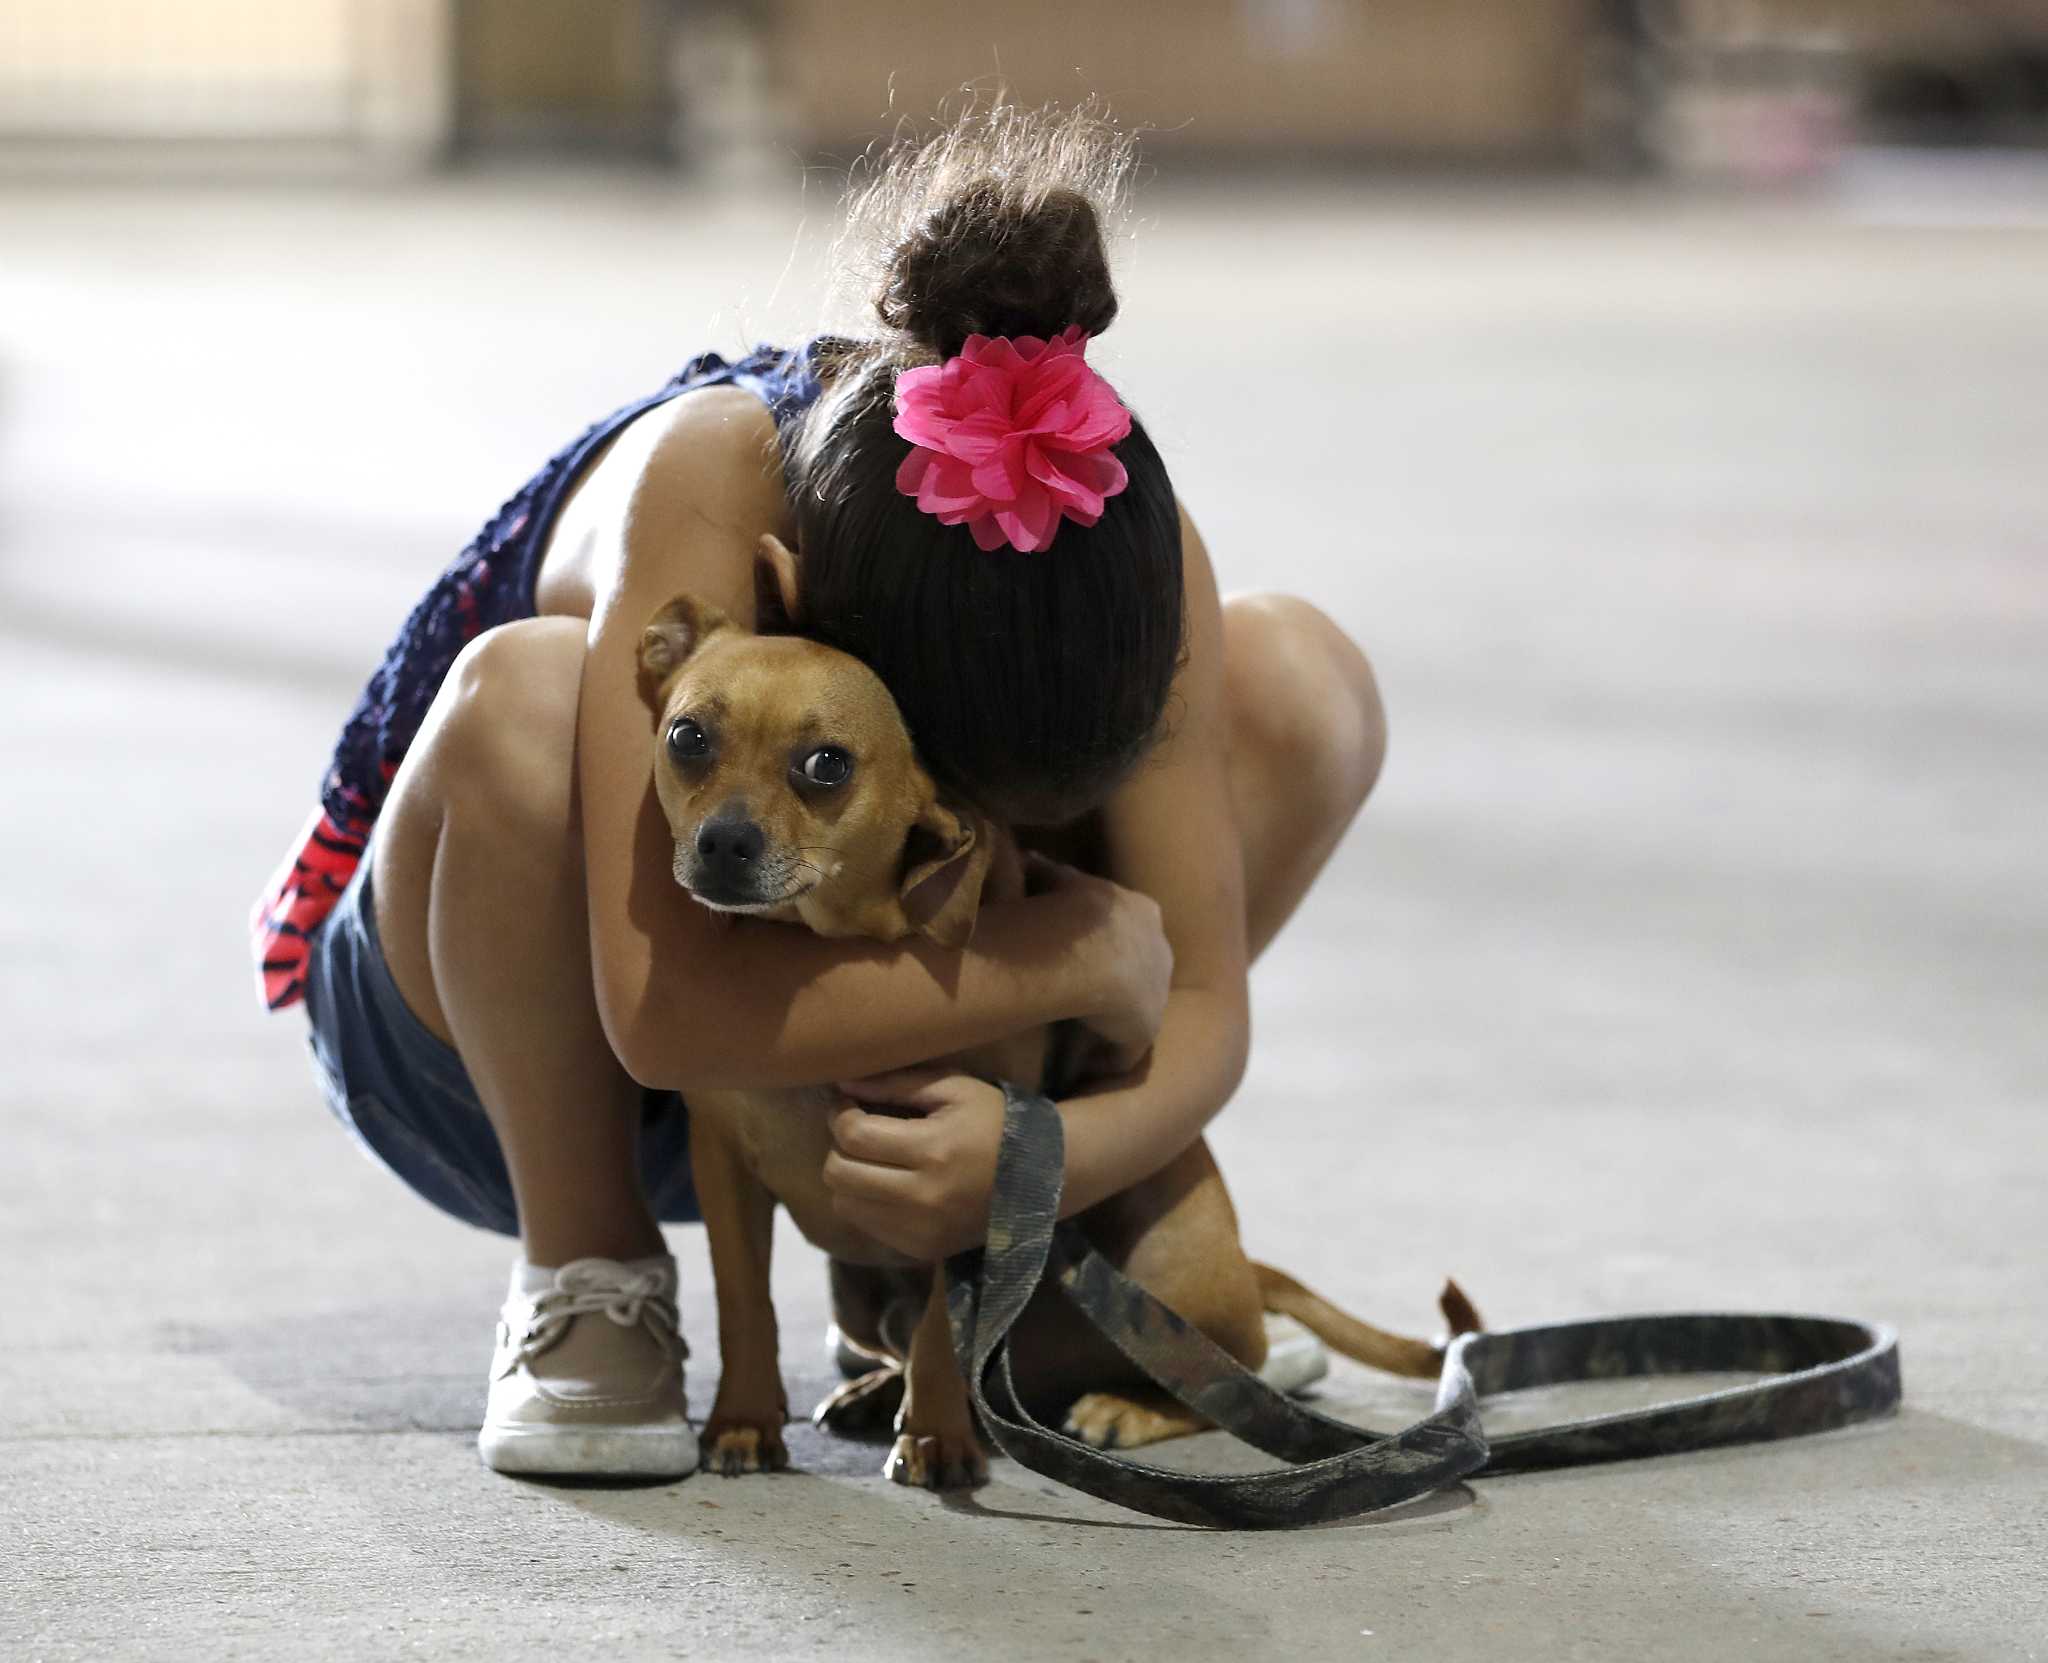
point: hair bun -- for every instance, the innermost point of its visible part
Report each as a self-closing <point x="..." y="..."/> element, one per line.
<point x="990" y="260"/>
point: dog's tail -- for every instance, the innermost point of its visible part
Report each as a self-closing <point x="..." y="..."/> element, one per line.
<point x="1359" y="1340"/>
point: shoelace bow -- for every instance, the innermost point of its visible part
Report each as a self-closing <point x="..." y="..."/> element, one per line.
<point x="602" y="1287"/>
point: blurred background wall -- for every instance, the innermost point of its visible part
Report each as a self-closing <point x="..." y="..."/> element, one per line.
<point x="1742" y="88"/>
<point x="132" y="84"/>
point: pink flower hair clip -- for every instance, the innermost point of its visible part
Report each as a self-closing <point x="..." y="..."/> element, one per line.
<point x="1010" y="437"/>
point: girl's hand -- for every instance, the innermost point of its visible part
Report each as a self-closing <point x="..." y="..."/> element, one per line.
<point x="1128" y="935"/>
<point x="917" y="1180"/>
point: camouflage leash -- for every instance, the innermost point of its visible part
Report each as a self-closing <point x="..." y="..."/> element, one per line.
<point x="1826" y="1373"/>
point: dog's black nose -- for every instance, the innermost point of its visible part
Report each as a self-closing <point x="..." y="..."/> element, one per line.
<point x="731" y="844"/>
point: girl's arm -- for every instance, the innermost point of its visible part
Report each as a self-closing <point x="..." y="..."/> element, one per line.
<point x="922" y="1185"/>
<point x="1172" y="834"/>
<point x="692" y="1000"/>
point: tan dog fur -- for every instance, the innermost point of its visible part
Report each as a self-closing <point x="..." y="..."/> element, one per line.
<point x="881" y="856"/>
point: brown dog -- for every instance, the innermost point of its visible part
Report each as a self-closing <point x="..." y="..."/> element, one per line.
<point x="793" y="793"/>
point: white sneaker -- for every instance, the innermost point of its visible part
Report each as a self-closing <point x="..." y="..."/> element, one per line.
<point x="588" y="1375"/>
<point x="1295" y="1358"/>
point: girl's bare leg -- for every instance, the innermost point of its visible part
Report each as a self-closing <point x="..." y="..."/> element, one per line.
<point x="1307" y="737"/>
<point x="480" y="905"/>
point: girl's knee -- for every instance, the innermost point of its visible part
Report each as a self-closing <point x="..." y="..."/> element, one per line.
<point x="1302" y="695"/>
<point x="503" y="732"/>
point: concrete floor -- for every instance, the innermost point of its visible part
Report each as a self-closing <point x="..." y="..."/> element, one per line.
<point x="1692" y="953"/>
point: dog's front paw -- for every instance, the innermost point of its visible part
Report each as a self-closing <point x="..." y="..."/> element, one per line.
<point x="863" y="1407"/>
<point x="733" y="1447"/>
<point x="937" y="1461"/>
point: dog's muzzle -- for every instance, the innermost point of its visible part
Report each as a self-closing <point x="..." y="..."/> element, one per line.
<point x="728" y="865"/>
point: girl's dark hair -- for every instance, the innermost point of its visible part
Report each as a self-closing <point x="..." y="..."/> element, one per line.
<point x="1031" y="682"/>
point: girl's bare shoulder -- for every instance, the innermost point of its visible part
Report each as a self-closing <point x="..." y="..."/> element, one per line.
<point x="708" y="453"/>
<point x="687" y="489"/>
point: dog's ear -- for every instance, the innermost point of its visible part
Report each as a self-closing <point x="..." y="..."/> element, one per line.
<point x="948" y="856"/>
<point x="671" y="635"/>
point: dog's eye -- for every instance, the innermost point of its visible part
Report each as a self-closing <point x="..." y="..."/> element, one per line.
<point x="686" y="740"/>
<point x="827" y="765"/>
